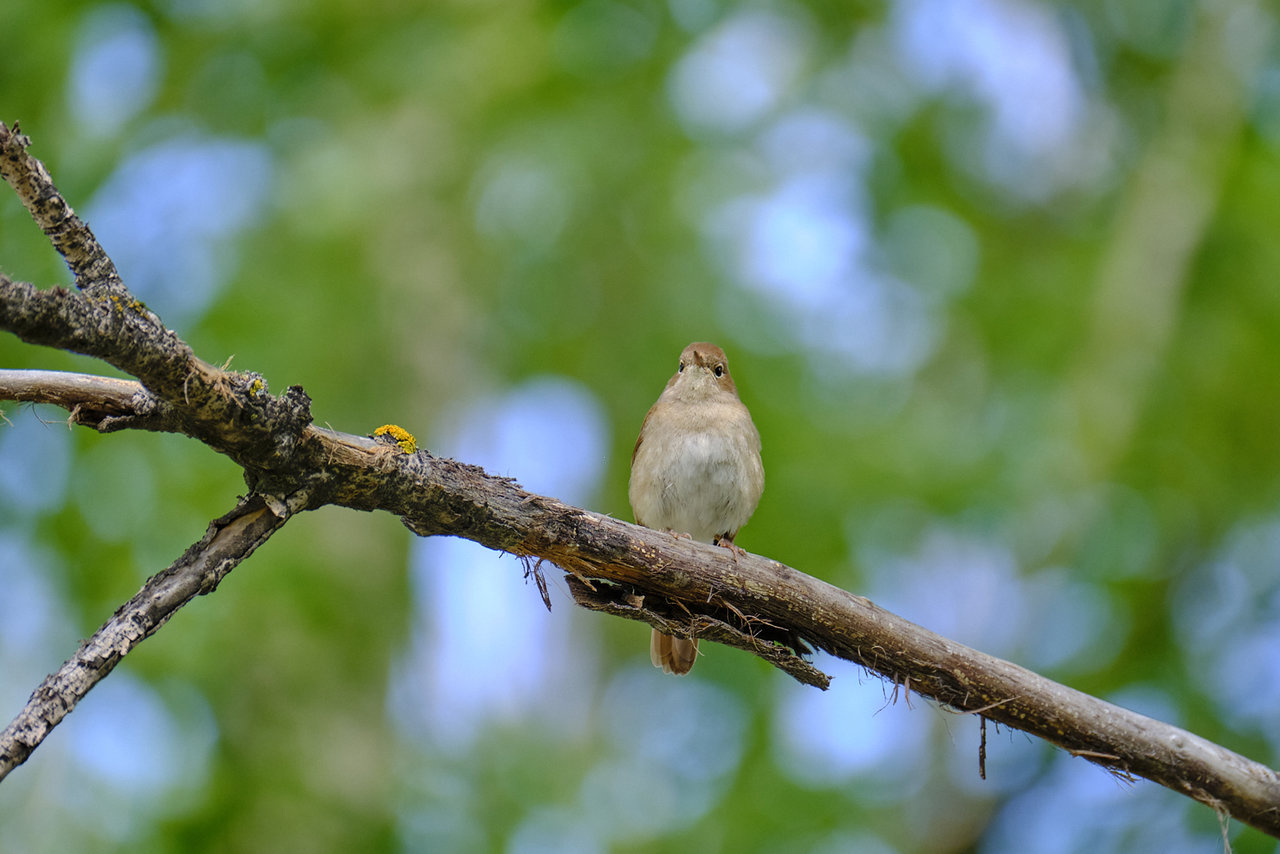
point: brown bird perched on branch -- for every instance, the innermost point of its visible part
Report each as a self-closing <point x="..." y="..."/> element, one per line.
<point x="696" y="469"/>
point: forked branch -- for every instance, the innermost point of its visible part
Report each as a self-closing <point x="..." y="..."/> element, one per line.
<point x="751" y="602"/>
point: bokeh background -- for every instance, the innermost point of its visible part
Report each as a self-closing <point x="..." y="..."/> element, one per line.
<point x="997" y="278"/>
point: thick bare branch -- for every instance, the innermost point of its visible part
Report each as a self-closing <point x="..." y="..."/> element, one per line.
<point x="686" y="584"/>
<point x="229" y="540"/>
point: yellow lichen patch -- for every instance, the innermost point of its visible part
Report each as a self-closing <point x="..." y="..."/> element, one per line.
<point x="135" y="305"/>
<point x="397" y="435"/>
<point x="256" y="387"/>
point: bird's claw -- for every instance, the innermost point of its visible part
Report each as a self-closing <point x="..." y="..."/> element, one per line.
<point x="734" y="549"/>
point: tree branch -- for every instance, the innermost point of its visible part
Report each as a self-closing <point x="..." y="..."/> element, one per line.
<point x="229" y="540"/>
<point x="104" y="403"/>
<point x="106" y="321"/>
<point x="768" y="609"/>
<point x="66" y="231"/>
<point x="684" y="587"/>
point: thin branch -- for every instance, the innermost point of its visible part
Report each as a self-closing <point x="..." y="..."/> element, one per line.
<point x="66" y="231"/>
<point x="69" y="390"/>
<point x="106" y="404"/>
<point x="105" y="320"/>
<point x="228" y="541"/>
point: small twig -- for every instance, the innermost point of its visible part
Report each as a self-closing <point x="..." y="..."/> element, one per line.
<point x="997" y="704"/>
<point x="533" y="567"/>
<point x="982" y="748"/>
<point x="1096" y="755"/>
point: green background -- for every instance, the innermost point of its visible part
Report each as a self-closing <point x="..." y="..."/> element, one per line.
<point x="997" y="279"/>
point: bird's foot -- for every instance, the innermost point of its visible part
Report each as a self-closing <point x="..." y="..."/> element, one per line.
<point x="726" y="541"/>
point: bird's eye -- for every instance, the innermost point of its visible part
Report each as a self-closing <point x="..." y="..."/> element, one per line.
<point x="719" y="370"/>
<point x="680" y="370"/>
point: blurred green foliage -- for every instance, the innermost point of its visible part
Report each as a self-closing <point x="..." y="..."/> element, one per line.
<point x="997" y="279"/>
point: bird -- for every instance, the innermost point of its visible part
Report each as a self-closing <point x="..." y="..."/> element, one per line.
<point x="696" y="470"/>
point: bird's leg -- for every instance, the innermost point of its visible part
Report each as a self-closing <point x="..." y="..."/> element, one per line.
<point x="726" y="541"/>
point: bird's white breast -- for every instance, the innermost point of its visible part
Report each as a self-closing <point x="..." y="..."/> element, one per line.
<point x="694" y="479"/>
